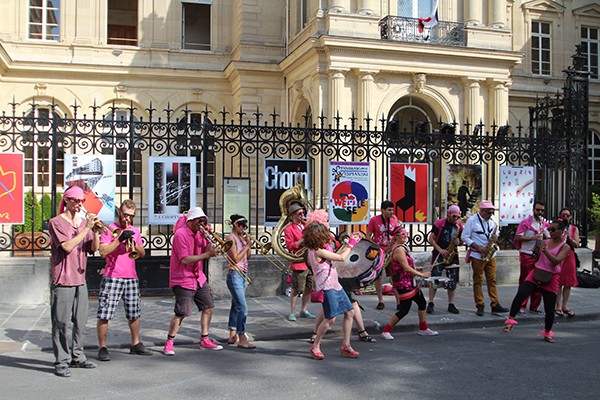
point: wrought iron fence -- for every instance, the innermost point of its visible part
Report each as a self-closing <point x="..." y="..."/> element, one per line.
<point x="405" y="29"/>
<point x="228" y="145"/>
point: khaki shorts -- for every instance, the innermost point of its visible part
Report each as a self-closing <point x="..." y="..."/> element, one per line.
<point x="302" y="280"/>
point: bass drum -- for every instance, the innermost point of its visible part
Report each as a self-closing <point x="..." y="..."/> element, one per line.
<point x="362" y="266"/>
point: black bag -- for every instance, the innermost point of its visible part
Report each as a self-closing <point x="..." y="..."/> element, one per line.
<point x="587" y="280"/>
<point x="542" y="277"/>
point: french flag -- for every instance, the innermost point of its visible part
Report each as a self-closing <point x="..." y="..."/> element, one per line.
<point x="431" y="21"/>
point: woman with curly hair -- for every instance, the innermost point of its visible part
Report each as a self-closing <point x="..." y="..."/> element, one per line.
<point x="320" y="255"/>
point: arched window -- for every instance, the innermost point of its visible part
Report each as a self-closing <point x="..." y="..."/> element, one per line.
<point x="190" y="141"/>
<point x="39" y="129"/>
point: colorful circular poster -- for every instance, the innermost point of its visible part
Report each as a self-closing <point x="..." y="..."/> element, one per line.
<point x="350" y="202"/>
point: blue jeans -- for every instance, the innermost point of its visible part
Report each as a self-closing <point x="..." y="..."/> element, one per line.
<point x="239" y="309"/>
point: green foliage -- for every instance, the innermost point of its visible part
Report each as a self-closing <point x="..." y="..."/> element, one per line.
<point x="36" y="212"/>
<point x="594" y="212"/>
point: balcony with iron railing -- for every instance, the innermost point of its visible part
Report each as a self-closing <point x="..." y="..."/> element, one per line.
<point x="405" y="29"/>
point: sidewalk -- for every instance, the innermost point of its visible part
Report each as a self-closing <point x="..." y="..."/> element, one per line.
<point x="27" y="328"/>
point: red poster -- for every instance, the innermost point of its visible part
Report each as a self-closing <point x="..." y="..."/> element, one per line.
<point x="11" y="188"/>
<point x="409" y="191"/>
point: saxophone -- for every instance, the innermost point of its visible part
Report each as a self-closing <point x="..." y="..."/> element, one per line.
<point x="492" y="247"/>
<point x="452" y="248"/>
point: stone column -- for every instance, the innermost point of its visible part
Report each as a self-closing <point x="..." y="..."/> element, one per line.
<point x="364" y="96"/>
<point x="497" y="13"/>
<point x="473" y="12"/>
<point x="498" y="111"/>
<point x="368" y="7"/>
<point x="473" y="101"/>
<point x="336" y="89"/>
<point x="340" y="6"/>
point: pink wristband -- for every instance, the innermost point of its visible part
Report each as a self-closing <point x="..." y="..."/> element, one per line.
<point x="351" y="242"/>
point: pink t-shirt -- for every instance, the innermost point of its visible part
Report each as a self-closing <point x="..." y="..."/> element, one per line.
<point x="68" y="269"/>
<point x="381" y="230"/>
<point x="326" y="276"/>
<point x="118" y="263"/>
<point x="239" y="246"/>
<point x="187" y="243"/>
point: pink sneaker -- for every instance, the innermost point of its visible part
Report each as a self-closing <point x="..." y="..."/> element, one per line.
<point x="206" y="343"/>
<point x="427" y="332"/>
<point x="169" y="349"/>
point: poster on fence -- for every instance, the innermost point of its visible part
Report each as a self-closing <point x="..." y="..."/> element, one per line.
<point x="236" y="199"/>
<point x="11" y="188"/>
<point x="517" y="193"/>
<point x="464" y="186"/>
<point x="281" y="175"/>
<point x="95" y="174"/>
<point x="171" y="188"/>
<point x="409" y="191"/>
<point x="348" y="193"/>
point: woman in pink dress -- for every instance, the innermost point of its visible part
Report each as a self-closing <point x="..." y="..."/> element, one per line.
<point x="554" y="251"/>
<point x="568" y="272"/>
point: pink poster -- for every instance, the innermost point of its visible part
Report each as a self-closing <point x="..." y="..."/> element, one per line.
<point x="11" y="188"/>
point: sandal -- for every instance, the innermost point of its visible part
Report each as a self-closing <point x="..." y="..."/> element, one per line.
<point x="509" y="323"/>
<point x="560" y="313"/>
<point x="315" y="353"/>
<point x="548" y="336"/>
<point x="348" y="351"/>
<point x="569" y="312"/>
<point x="366" y="338"/>
<point x="313" y="336"/>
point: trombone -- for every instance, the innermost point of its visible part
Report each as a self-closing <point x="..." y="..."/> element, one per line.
<point x="224" y="246"/>
<point x="264" y="250"/>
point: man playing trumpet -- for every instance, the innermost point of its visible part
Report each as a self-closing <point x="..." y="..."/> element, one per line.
<point x="120" y="245"/>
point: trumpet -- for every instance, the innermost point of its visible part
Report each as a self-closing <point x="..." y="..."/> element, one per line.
<point x="115" y="233"/>
<point x="265" y="250"/>
<point x="224" y="246"/>
<point x="130" y="248"/>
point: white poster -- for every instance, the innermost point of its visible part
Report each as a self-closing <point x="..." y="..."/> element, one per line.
<point x="348" y="193"/>
<point x="171" y="188"/>
<point x="236" y="199"/>
<point x="517" y="193"/>
<point x="95" y="174"/>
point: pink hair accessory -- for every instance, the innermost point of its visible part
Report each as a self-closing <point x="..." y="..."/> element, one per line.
<point x="318" y="216"/>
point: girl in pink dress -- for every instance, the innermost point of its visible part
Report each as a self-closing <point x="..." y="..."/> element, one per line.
<point x="568" y="272"/>
<point x="554" y="251"/>
<point x="335" y="301"/>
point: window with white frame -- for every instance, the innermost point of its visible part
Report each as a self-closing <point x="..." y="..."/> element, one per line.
<point x="44" y="19"/>
<point x="590" y="42"/>
<point x="541" y="48"/>
<point x="414" y="8"/>
<point x="196" y="23"/>
<point x="302" y="14"/>
<point x="191" y="139"/>
<point x="593" y="159"/>
<point x="115" y="139"/>
<point x="122" y="22"/>
<point x="39" y="128"/>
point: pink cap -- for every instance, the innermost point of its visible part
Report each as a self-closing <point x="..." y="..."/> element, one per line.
<point x="486" y="204"/>
<point x="453" y="208"/>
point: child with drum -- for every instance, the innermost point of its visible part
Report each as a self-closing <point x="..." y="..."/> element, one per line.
<point x="320" y="255"/>
<point x="403" y="275"/>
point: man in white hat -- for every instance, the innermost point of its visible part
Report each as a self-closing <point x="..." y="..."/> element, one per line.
<point x="188" y="281"/>
<point x="301" y="277"/>
<point x="480" y="231"/>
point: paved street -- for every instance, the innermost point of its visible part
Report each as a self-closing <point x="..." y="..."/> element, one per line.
<point x="470" y="359"/>
<point x="474" y="363"/>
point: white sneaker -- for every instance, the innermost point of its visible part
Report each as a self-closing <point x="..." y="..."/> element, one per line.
<point x="387" y="336"/>
<point x="428" y="332"/>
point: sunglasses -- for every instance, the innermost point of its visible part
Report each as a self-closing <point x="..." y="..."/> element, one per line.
<point x="565" y="215"/>
<point x="402" y="234"/>
<point x="540" y="210"/>
<point x="76" y="201"/>
<point x="132" y="216"/>
<point x="554" y="229"/>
